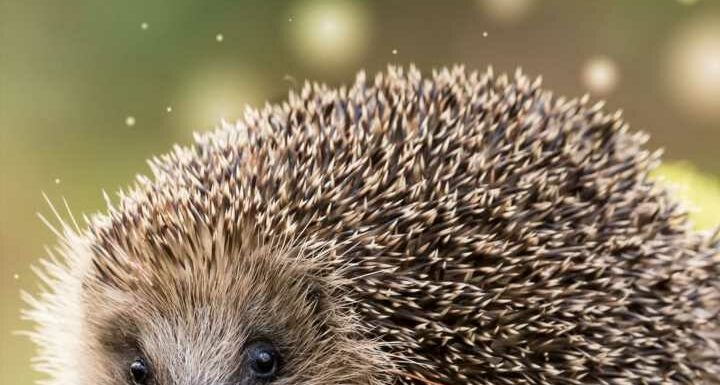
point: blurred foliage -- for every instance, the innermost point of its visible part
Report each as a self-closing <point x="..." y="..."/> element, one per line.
<point x="699" y="192"/>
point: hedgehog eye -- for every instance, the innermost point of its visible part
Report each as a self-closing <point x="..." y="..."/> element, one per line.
<point x="263" y="359"/>
<point x="139" y="371"/>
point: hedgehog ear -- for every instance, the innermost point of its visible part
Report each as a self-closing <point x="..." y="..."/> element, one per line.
<point x="319" y="296"/>
<point x="319" y="303"/>
<point x="315" y="297"/>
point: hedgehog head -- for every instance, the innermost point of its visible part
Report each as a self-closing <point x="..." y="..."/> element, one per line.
<point x="208" y="306"/>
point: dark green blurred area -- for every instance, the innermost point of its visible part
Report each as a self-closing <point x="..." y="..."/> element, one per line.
<point x="72" y="72"/>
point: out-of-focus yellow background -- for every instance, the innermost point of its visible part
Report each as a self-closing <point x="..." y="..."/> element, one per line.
<point x="90" y="89"/>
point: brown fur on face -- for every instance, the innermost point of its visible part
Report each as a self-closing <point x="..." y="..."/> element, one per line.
<point x="460" y="228"/>
<point x="192" y="321"/>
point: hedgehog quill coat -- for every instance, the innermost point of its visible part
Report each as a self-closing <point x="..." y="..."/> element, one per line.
<point x="463" y="228"/>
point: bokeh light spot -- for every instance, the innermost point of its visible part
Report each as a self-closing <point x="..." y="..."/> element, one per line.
<point x="215" y="93"/>
<point x="600" y="75"/>
<point x="130" y="121"/>
<point x="330" y="33"/>
<point x="506" y="11"/>
<point x="693" y="68"/>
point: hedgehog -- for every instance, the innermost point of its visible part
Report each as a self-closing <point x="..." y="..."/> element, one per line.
<point x="454" y="228"/>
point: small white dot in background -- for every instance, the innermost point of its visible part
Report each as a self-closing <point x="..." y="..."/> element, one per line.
<point x="57" y="180"/>
<point x="130" y="121"/>
<point x="290" y="20"/>
<point x="485" y="34"/>
<point x="394" y="52"/>
<point x="144" y="25"/>
<point x="16" y="276"/>
<point x="290" y="79"/>
<point x="168" y="109"/>
<point x="219" y="37"/>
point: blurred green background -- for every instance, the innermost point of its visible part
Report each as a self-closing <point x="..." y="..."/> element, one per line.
<point x="90" y="89"/>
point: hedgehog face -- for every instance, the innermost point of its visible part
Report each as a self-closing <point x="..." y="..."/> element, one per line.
<point x="199" y="325"/>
